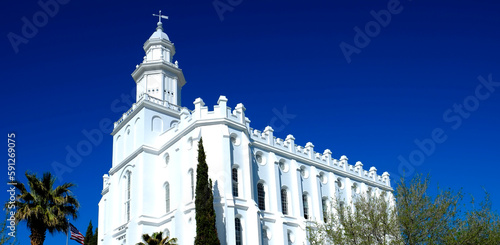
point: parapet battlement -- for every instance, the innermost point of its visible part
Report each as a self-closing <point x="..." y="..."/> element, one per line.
<point x="222" y="112"/>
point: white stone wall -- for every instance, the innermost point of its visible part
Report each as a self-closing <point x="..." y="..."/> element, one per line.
<point x="155" y="142"/>
<point x="229" y="143"/>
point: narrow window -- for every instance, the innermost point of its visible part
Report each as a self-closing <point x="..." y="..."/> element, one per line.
<point x="127" y="197"/>
<point x="325" y="209"/>
<point x="306" y="206"/>
<point x="237" y="228"/>
<point x="235" y="181"/>
<point x="261" y="195"/>
<point x="284" y="201"/>
<point x="192" y="183"/>
<point x="167" y="197"/>
<point x="342" y="210"/>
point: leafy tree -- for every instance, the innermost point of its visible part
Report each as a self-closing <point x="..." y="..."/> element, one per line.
<point x="43" y="207"/>
<point x="423" y="219"/>
<point x="476" y="226"/>
<point x="442" y="219"/>
<point x="206" y="231"/>
<point x="415" y="219"/>
<point x="368" y="220"/>
<point x="157" y="239"/>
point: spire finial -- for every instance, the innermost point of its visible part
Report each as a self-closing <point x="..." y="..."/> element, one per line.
<point x="160" y="16"/>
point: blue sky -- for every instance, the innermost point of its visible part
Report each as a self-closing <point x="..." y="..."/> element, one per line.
<point x="413" y="79"/>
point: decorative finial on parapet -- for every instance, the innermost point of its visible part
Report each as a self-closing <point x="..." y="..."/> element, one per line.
<point x="222" y="98"/>
<point x="327" y="152"/>
<point x="373" y="172"/>
<point x="289" y="137"/>
<point x="184" y="111"/>
<point x="268" y="131"/>
<point x="199" y="101"/>
<point x="309" y="145"/>
<point x="385" y="177"/>
<point x="160" y="16"/>
<point x="343" y="158"/>
<point x="198" y="105"/>
<point x="358" y="164"/>
<point x="240" y="107"/>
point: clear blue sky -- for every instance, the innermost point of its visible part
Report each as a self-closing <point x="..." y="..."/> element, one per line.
<point x="406" y="84"/>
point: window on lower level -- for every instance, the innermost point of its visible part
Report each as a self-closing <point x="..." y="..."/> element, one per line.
<point x="261" y="196"/>
<point x="324" y="204"/>
<point x="306" y="206"/>
<point x="234" y="176"/>
<point x="237" y="229"/>
<point x="167" y="197"/>
<point x="191" y="175"/>
<point x="284" y="201"/>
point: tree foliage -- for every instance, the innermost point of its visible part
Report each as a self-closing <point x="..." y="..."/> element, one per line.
<point x="5" y="238"/>
<point x="416" y="218"/>
<point x="156" y="239"/>
<point x="369" y="220"/>
<point x="443" y="219"/>
<point x="206" y="231"/>
<point x="423" y="219"/>
<point x="43" y="207"/>
<point x="90" y="236"/>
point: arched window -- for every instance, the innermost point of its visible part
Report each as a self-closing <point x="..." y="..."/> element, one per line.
<point x="167" y="197"/>
<point x="324" y="204"/>
<point x="157" y="124"/>
<point x="284" y="201"/>
<point x="234" y="176"/>
<point x="341" y="211"/>
<point x="127" y="197"/>
<point x="237" y="229"/>
<point x="261" y="196"/>
<point x="191" y="175"/>
<point x="166" y="233"/>
<point x="306" y="205"/>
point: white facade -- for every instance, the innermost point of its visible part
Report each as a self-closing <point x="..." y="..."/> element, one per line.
<point x="150" y="186"/>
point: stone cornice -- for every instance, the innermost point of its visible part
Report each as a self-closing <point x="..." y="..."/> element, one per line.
<point x="311" y="162"/>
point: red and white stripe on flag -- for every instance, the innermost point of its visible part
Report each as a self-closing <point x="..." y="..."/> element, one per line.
<point x="75" y="234"/>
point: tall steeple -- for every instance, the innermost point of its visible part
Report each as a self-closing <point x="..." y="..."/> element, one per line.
<point x="157" y="75"/>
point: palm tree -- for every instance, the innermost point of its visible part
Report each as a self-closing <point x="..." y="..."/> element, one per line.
<point x="43" y="207"/>
<point x="157" y="239"/>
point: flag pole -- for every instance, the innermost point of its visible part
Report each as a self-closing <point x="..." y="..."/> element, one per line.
<point x="67" y="233"/>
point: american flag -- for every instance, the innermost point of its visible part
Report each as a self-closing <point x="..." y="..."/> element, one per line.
<point x="75" y="234"/>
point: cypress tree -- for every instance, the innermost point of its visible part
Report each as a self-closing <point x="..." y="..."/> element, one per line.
<point x="89" y="235"/>
<point x="94" y="239"/>
<point x="206" y="232"/>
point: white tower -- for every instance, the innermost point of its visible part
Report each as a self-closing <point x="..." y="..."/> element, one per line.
<point x="157" y="75"/>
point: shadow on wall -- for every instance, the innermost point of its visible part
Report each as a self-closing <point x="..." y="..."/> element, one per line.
<point x="219" y="220"/>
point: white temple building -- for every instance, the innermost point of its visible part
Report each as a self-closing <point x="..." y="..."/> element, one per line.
<point x="265" y="188"/>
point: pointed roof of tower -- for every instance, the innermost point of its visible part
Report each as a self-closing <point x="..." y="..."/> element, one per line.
<point x="159" y="34"/>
